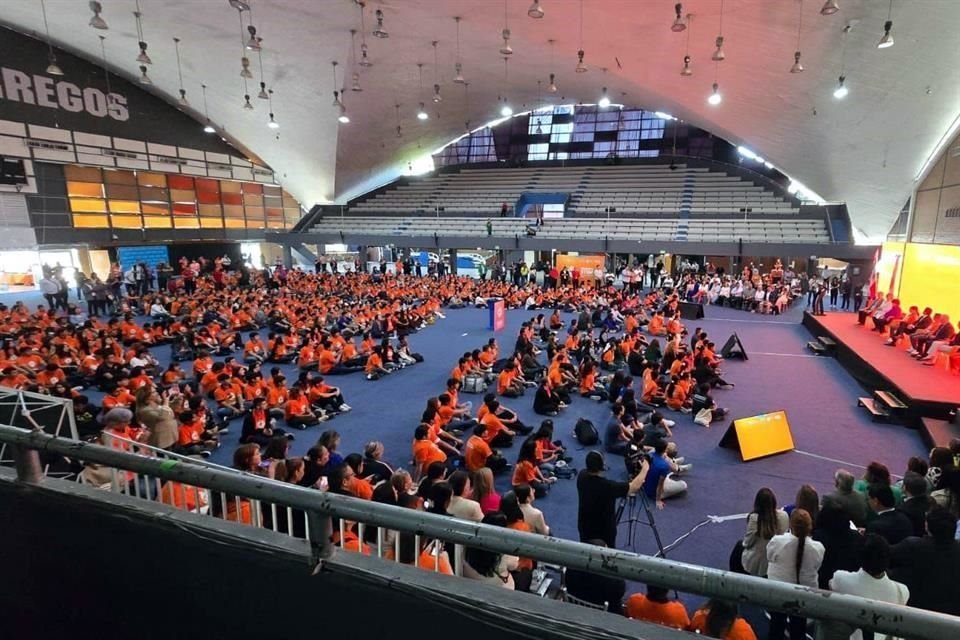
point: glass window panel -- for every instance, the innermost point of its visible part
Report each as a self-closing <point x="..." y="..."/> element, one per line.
<point x="210" y="210"/>
<point x="275" y="224"/>
<point x="291" y="213"/>
<point x="289" y="200"/>
<point x="227" y="186"/>
<point x="124" y="206"/>
<point x="254" y="213"/>
<point x="211" y="223"/>
<point x="252" y="187"/>
<point x="91" y="222"/>
<point x="156" y="222"/>
<point x="184" y="209"/>
<point x="119" y="177"/>
<point x="253" y="199"/>
<point x="233" y="211"/>
<point x="275" y="203"/>
<point x="255" y="224"/>
<point x="274" y="212"/>
<point x="186" y="223"/>
<point x="272" y="190"/>
<point x="175" y="181"/>
<point x="154" y="194"/>
<point x="85" y="189"/>
<point x="183" y="195"/>
<point x="208" y="197"/>
<point x="152" y="208"/>
<point x="126" y="222"/>
<point x="88" y="204"/>
<point x="150" y="179"/>
<point x="208" y="184"/>
<point x="123" y="192"/>
<point x="231" y="198"/>
<point x="232" y="223"/>
<point x="82" y="174"/>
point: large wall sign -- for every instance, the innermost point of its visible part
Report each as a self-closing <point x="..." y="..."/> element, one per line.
<point x="80" y="100"/>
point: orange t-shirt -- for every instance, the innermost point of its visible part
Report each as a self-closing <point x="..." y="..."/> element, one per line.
<point x="426" y="452"/>
<point x="475" y="453"/>
<point x="374" y="362"/>
<point x="524" y="473"/>
<point x="740" y="630"/>
<point x="296" y="406"/>
<point x="504" y="380"/>
<point x="493" y="426"/>
<point x="669" y="614"/>
<point x="520" y="525"/>
<point x="427" y="562"/>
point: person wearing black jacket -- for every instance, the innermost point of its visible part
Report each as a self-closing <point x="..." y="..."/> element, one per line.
<point x="373" y="466"/>
<point x="258" y="426"/>
<point x="547" y="402"/>
<point x="596" y="588"/>
<point x="889" y="523"/>
<point x="929" y="566"/>
<point x="916" y="502"/>
<point x="842" y="545"/>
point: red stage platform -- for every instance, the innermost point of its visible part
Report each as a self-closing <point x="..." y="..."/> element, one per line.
<point x="929" y="391"/>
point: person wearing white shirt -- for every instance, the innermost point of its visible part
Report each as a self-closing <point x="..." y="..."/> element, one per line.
<point x="531" y="515"/>
<point x="461" y="506"/>
<point x="488" y="566"/>
<point x="793" y="557"/>
<point x="871" y="581"/>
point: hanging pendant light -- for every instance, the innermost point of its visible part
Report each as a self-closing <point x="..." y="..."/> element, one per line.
<point x="183" y="94"/>
<point x="207" y="128"/>
<point x="97" y="21"/>
<point x="797" y="66"/>
<point x="678" y="23"/>
<point x="458" y="66"/>
<point x="272" y="122"/>
<point x="604" y="101"/>
<point x="263" y="95"/>
<point x="552" y="87"/>
<point x="365" y="60"/>
<point x="144" y="78"/>
<point x="718" y="54"/>
<point x="253" y="42"/>
<point x="536" y="10"/>
<point x="53" y="68"/>
<point x="506" y="110"/>
<point x="341" y="108"/>
<point x="887" y="40"/>
<point x="396" y="111"/>
<point x="841" y="91"/>
<point x="245" y="68"/>
<point x="687" y="70"/>
<point x="355" y="75"/>
<point x="715" y="97"/>
<point x="142" y="58"/>
<point x="829" y="8"/>
<point x="436" y="74"/>
<point x="422" y="111"/>
<point x="379" y="31"/>
<point x="581" y="68"/>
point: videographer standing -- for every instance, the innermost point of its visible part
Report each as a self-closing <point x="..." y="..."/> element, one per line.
<point x="596" y="516"/>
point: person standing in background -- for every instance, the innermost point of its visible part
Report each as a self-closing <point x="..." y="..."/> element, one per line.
<point x="846" y="288"/>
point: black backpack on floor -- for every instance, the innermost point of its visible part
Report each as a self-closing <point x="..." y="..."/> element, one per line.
<point x="585" y="433"/>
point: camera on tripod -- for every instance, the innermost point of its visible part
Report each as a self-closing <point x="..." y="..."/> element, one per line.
<point x="635" y="457"/>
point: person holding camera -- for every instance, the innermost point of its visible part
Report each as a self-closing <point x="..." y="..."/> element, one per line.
<point x="596" y="515"/>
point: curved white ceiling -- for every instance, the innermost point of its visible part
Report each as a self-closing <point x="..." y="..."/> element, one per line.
<point x="865" y="150"/>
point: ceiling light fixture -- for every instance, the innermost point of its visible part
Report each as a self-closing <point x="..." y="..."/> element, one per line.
<point x="396" y="110"/>
<point x="262" y="95"/>
<point x="144" y="78"/>
<point x="253" y="42"/>
<point x="244" y="60"/>
<point x="458" y="66"/>
<point x="829" y="8"/>
<point x="604" y="101"/>
<point x="687" y="70"/>
<point x="581" y="68"/>
<point x="379" y="31"/>
<point x="53" y="68"/>
<point x="272" y="123"/>
<point x="97" y="21"/>
<point x="678" y="23"/>
<point x="797" y="66"/>
<point x="106" y="70"/>
<point x="142" y="58"/>
<point x="535" y="11"/>
<point x="539" y="129"/>
<point x="183" y="94"/>
<point x="506" y="110"/>
<point x="841" y="91"/>
<point x="436" y="74"/>
<point x="342" y="116"/>
<point x="887" y="40"/>
<point x="207" y="128"/>
<point x="422" y="112"/>
<point x="552" y="87"/>
<point x="355" y="76"/>
<point x="365" y="61"/>
<point x="505" y="48"/>
<point x="715" y="97"/>
<point x="718" y="54"/>
<point x="239" y="5"/>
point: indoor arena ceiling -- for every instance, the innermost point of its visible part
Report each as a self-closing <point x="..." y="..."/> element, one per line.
<point x="866" y="149"/>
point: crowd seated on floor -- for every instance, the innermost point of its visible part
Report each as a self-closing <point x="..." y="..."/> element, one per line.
<point x="928" y="336"/>
<point x="624" y="347"/>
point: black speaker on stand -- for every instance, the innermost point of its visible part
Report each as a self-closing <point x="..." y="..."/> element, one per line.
<point x="691" y="310"/>
<point x="733" y="348"/>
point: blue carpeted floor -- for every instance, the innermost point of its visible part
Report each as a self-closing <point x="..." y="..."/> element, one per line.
<point x="819" y="397"/>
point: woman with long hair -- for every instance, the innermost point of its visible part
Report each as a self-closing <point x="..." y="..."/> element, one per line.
<point x="720" y="619"/>
<point x="510" y="507"/>
<point x="489" y="566"/>
<point x="484" y="491"/>
<point x="795" y="558"/>
<point x="807" y="499"/>
<point x="763" y="523"/>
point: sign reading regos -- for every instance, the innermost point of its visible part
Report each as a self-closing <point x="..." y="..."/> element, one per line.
<point x="43" y="91"/>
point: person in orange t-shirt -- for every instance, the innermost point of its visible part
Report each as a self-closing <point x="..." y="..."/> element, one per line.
<point x="720" y="619"/>
<point x="657" y="607"/>
<point x="508" y="383"/>
<point x="527" y="472"/>
<point x="375" y="367"/>
<point x="425" y="451"/>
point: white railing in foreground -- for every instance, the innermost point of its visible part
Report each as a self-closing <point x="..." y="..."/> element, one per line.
<point x="319" y="508"/>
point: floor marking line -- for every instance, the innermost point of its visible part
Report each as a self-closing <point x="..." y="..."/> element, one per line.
<point x="706" y="318"/>
<point x="786" y="355"/>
